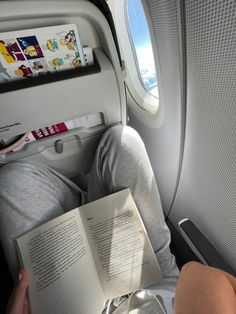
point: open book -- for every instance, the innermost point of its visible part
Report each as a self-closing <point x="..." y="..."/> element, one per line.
<point x="88" y="255"/>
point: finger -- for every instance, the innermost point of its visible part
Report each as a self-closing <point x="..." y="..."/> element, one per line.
<point x="19" y="295"/>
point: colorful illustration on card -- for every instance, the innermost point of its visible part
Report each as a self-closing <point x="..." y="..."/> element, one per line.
<point x="51" y="45"/>
<point x="11" y="51"/>
<point x="74" y="60"/>
<point x="56" y="62"/>
<point x="37" y="52"/>
<point x="30" y="47"/>
<point x="68" y="39"/>
<point x="24" y="71"/>
<point x="4" y="75"/>
<point x="39" y="66"/>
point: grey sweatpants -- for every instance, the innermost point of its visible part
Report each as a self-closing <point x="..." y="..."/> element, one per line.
<point x="31" y="194"/>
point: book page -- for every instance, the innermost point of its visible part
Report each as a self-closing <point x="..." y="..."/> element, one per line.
<point x="121" y="249"/>
<point x="63" y="277"/>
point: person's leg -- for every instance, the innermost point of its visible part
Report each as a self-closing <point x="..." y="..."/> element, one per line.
<point x="30" y="194"/>
<point x="203" y="289"/>
<point x="121" y="161"/>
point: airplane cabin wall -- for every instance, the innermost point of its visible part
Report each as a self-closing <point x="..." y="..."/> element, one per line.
<point x="164" y="143"/>
<point x="206" y="191"/>
<point x="207" y="187"/>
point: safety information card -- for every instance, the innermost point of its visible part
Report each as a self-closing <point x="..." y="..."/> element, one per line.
<point x="36" y="52"/>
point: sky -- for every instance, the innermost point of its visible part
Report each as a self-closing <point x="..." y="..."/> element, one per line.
<point x="141" y="39"/>
<point x="138" y="25"/>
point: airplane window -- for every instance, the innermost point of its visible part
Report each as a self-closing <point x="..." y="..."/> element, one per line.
<point x="141" y="45"/>
<point x="134" y="35"/>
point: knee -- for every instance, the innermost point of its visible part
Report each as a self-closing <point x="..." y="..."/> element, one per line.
<point x="7" y="170"/>
<point x="192" y="267"/>
<point x="11" y="176"/>
<point x="197" y="270"/>
<point x="204" y="289"/>
<point x="201" y="273"/>
<point x="17" y="173"/>
<point x="123" y="136"/>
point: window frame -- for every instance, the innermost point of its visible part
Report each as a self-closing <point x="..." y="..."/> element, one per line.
<point x="140" y="95"/>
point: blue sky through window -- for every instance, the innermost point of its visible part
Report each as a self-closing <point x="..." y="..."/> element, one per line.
<point x="142" y="43"/>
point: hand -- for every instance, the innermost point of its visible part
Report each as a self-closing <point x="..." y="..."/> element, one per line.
<point x="18" y="303"/>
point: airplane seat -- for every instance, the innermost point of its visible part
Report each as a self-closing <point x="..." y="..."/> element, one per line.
<point x="92" y="98"/>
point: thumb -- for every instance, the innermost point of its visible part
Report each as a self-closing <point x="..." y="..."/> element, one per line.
<point x="18" y="299"/>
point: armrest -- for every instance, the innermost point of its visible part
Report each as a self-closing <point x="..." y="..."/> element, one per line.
<point x="202" y="247"/>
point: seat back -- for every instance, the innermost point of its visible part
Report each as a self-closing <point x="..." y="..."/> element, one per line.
<point x="93" y="95"/>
